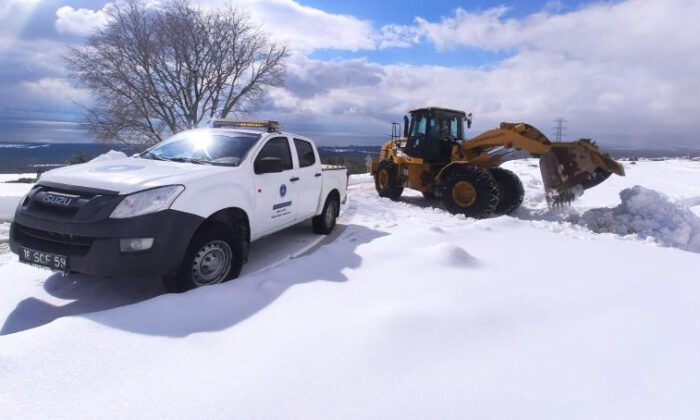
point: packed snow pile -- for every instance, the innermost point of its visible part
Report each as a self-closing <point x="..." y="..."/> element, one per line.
<point x="10" y="194"/>
<point x="648" y="214"/>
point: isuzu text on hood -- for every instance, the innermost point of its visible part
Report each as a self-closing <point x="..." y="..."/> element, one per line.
<point x="185" y="209"/>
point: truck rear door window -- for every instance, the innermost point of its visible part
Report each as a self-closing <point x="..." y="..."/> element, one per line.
<point x="305" y="151"/>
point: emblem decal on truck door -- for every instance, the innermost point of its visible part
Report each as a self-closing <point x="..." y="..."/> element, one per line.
<point x="283" y="190"/>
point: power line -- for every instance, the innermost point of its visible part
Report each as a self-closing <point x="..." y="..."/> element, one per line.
<point x="559" y="129"/>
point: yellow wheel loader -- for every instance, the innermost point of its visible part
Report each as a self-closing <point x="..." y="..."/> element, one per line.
<point x="432" y="156"/>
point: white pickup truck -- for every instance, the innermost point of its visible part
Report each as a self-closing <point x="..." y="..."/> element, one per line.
<point x="185" y="209"/>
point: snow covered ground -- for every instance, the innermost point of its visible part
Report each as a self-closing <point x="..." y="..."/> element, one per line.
<point x="407" y="312"/>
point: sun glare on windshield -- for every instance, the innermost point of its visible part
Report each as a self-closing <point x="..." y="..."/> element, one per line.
<point x="200" y="140"/>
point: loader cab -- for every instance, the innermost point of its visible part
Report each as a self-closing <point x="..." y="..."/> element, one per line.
<point x="431" y="133"/>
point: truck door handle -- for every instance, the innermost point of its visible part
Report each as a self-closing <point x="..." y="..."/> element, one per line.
<point x="317" y="175"/>
<point x="294" y="179"/>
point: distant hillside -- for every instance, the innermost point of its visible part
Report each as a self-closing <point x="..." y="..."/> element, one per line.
<point x="31" y="157"/>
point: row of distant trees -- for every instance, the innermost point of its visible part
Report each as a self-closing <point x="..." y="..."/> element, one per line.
<point x="156" y="70"/>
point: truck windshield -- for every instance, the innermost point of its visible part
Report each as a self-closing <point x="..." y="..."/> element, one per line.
<point x="204" y="147"/>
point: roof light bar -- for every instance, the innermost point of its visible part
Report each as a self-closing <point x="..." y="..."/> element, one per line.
<point x="270" y="126"/>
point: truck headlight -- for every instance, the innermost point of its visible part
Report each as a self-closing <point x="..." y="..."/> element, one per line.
<point x="149" y="201"/>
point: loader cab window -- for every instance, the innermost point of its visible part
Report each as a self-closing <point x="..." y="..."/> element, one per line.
<point x="448" y="126"/>
<point x="421" y="125"/>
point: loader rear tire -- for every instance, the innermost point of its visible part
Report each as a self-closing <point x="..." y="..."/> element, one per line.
<point x="470" y="191"/>
<point x="430" y="196"/>
<point x="386" y="180"/>
<point x="510" y="190"/>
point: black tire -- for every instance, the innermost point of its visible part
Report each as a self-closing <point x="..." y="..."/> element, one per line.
<point x="324" y="223"/>
<point x="209" y="244"/>
<point x="483" y="198"/>
<point x="386" y="180"/>
<point x="430" y="196"/>
<point x="511" y="191"/>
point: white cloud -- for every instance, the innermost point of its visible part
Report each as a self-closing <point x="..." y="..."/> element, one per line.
<point x="301" y="27"/>
<point x="79" y="21"/>
<point x="613" y="104"/>
<point x="308" y="28"/>
<point x="57" y="90"/>
<point x="624" y="72"/>
<point x="621" y="72"/>
<point x="14" y="15"/>
<point x="617" y="31"/>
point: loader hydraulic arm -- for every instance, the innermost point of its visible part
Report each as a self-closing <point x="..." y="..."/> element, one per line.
<point x="518" y="136"/>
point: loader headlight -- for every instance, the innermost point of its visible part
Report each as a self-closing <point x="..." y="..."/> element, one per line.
<point x="149" y="201"/>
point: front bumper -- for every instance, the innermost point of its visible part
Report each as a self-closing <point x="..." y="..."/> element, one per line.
<point x="93" y="247"/>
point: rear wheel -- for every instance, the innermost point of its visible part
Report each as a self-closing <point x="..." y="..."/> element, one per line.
<point x="510" y="190"/>
<point x="386" y="180"/>
<point x="215" y="255"/>
<point x="324" y="223"/>
<point x="470" y="191"/>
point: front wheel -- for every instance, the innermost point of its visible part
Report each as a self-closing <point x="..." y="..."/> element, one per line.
<point x="215" y="255"/>
<point x="471" y="191"/>
<point x="386" y="180"/>
<point x="324" y="223"/>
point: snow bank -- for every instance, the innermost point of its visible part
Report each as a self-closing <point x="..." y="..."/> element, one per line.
<point x="648" y="213"/>
<point x="408" y="312"/>
<point x="10" y="194"/>
<point x="15" y="177"/>
<point x="361" y="179"/>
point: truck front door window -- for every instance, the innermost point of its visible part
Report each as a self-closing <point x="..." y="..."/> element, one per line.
<point x="277" y="148"/>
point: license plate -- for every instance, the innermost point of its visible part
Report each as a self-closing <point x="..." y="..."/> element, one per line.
<point x="44" y="259"/>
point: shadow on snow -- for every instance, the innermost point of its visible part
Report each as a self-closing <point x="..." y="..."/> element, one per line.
<point x="206" y="309"/>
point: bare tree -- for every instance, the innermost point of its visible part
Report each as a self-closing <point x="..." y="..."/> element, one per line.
<point x="155" y="71"/>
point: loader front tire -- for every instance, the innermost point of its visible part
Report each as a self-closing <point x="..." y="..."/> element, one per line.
<point x="470" y="191"/>
<point x="510" y="190"/>
<point x="386" y="180"/>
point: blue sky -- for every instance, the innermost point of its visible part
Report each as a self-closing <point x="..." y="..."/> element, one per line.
<point x="623" y="72"/>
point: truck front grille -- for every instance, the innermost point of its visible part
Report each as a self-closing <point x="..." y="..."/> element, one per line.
<point x="51" y="241"/>
<point x="86" y="205"/>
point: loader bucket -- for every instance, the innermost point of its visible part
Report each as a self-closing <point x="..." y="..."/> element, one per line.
<point x="570" y="168"/>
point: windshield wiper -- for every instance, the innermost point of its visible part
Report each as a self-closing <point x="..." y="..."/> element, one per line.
<point x="192" y="160"/>
<point x="155" y="157"/>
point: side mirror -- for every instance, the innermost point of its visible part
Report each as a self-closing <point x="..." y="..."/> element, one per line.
<point x="268" y="165"/>
<point x="405" y="125"/>
<point x="468" y="118"/>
